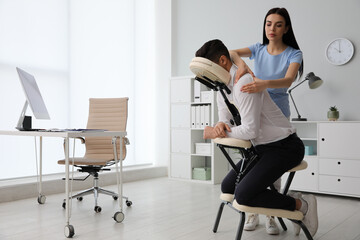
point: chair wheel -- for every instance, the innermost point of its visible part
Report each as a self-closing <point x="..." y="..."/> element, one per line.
<point x="64" y="205"/>
<point x="115" y="197"/>
<point x="97" y="209"/>
<point x="41" y="199"/>
<point x="119" y="217"/>
<point x="128" y="203"/>
<point x="79" y="198"/>
<point x="69" y="231"/>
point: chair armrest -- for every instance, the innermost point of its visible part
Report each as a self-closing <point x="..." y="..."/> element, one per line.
<point x="81" y="139"/>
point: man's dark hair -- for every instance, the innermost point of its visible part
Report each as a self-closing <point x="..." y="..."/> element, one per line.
<point x="213" y="50"/>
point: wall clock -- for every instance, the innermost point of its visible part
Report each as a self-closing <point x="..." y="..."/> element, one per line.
<point x="339" y="51"/>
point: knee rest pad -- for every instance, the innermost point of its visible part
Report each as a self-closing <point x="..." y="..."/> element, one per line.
<point x="295" y="215"/>
<point x="204" y="67"/>
<point x="303" y="165"/>
<point x="227" y="197"/>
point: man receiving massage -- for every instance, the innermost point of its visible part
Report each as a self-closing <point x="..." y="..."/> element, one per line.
<point x="275" y="141"/>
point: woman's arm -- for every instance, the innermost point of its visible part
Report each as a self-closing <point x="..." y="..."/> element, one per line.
<point x="259" y="85"/>
<point x="236" y="56"/>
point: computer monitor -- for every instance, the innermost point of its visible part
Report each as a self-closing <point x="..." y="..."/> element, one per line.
<point x="33" y="98"/>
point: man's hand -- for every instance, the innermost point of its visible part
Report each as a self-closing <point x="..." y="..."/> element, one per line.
<point x="219" y="131"/>
<point x="257" y="85"/>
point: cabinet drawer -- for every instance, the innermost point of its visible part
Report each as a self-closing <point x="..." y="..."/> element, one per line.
<point x="180" y="166"/>
<point x="339" y="185"/>
<point x="339" y="167"/>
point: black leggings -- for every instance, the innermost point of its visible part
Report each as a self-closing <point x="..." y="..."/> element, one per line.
<point x="274" y="160"/>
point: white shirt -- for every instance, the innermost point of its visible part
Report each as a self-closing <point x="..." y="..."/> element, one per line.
<point x="262" y="121"/>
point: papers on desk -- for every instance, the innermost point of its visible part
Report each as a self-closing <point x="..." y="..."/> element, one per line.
<point x="73" y="130"/>
<point x="84" y="130"/>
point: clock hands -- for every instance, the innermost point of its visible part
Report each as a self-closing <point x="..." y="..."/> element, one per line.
<point x="338" y="49"/>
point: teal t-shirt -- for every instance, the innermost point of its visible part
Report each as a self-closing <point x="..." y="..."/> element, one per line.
<point x="270" y="67"/>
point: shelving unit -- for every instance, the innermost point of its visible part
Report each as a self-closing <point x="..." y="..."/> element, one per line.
<point x="184" y="135"/>
<point x="334" y="164"/>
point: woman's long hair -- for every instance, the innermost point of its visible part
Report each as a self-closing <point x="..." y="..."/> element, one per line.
<point x="289" y="37"/>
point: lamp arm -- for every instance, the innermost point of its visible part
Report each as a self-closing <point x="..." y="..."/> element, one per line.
<point x="292" y="99"/>
<point x="297" y="85"/>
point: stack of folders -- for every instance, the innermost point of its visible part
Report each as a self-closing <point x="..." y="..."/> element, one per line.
<point x="200" y="116"/>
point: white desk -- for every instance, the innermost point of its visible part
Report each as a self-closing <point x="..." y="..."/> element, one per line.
<point x="69" y="229"/>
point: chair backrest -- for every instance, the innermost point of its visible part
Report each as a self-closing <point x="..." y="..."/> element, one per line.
<point x="109" y="114"/>
<point x="204" y="67"/>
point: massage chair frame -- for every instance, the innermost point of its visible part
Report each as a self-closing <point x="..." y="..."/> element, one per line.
<point x="216" y="78"/>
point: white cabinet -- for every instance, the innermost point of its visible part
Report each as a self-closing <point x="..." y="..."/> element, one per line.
<point x="334" y="163"/>
<point x="186" y="133"/>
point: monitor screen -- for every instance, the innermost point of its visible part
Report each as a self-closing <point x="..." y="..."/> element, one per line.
<point x="33" y="95"/>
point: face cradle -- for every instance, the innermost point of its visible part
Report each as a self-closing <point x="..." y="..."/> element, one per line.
<point x="275" y="27"/>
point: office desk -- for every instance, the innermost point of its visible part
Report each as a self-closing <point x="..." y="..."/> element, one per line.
<point x="69" y="229"/>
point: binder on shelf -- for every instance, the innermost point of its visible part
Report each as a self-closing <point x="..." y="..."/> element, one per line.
<point x="197" y="117"/>
<point x="206" y="96"/>
<point x="207" y="115"/>
<point x="193" y="117"/>
<point x="202" y="116"/>
<point x="198" y="87"/>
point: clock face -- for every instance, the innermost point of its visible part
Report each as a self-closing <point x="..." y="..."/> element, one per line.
<point x="339" y="51"/>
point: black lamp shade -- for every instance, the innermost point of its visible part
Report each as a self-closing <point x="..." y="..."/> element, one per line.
<point x="314" y="81"/>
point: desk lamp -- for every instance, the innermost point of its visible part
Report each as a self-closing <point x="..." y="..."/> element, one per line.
<point x="314" y="82"/>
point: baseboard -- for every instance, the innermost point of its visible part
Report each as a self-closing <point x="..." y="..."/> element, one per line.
<point x="27" y="187"/>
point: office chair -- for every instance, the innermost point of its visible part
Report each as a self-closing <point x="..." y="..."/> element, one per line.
<point x="216" y="78"/>
<point x="108" y="114"/>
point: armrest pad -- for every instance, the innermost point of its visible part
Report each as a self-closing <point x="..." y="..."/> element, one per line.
<point x="233" y="142"/>
<point x="81" y="139"/>
<point x="204" y="67"/>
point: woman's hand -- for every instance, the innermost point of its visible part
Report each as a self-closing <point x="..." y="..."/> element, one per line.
<point x="257" y="85"/>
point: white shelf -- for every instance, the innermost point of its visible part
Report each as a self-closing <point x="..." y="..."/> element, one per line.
<point x="200" y="103"/>
<point x="184" y="138"/>
<point x="309" y="139"/>
<point x="201" y="155"/>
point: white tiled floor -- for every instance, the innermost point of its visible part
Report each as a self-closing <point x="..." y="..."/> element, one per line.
<point x="162" y="209"/>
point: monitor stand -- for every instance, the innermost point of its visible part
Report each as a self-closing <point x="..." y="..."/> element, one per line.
<point x="24" y="123"/>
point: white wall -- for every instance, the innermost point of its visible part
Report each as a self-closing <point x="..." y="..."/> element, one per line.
<point x="315" y="23"/>
<point x="77" y="50"/>
<point x="33" y="37"/>
<point x="162" y="83"/>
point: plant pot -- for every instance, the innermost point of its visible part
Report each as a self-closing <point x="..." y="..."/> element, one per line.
<point x="333" y="115"/>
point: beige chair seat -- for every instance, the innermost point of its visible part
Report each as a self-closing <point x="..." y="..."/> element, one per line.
<point x="85" y="161"/>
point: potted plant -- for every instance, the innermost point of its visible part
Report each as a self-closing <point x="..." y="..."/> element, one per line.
<point x="333" y="114"/>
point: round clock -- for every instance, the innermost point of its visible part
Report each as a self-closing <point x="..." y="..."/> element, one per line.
<point x="339" y="51"/>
